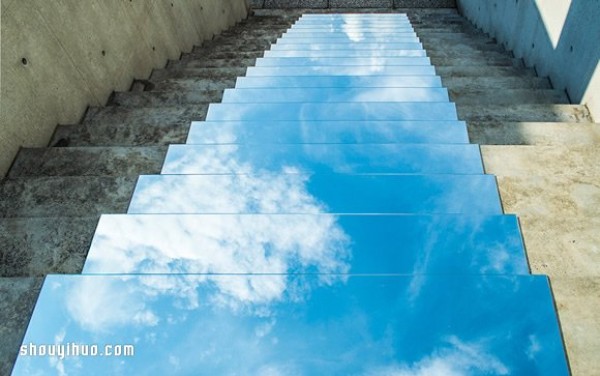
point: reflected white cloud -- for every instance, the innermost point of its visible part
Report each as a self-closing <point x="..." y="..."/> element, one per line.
<point x="456" y="359"/>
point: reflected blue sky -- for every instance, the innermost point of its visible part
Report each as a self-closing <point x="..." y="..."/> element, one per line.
<point x="358" y="70"/>
<point x="411" y="50"/>
<point x="327" y="132"/>
<point x="340" y="61"/>
<point x="407" y="244"/>
<point x="325" y="95"/>
<point x="338" y="82"/>
<point x="332" y="111"/>
<point x="291" y="192"/>
<point x="320" y="158"/>
<point x="286" y="44"/>
<point x="283" y="325"/>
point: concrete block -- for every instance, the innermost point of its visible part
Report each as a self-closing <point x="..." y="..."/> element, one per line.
<point x="483" y="97"/>
<point x="129" y="134"/>
<point x="526" y="112"/>
<point x="64" y="196"/>
<point x="283" y="4"/>
<point x="141" y="116"/>
<point x="493" y="83"/>
<point x="424" y="3"/>
<point x="361" y="3"/>
<point x="16" y="306"/>
<point x="40" y="246"/>
<point x="166" y="98"/>
<point x="532" y="160"/>
<point x="209" y="76"/>
<point x="89" y="161"/>
<point x="533" y="133"/>
<point x="457" y="71"/>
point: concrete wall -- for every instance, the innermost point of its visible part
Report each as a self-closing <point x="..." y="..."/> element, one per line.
<point x="60" y="56"/>
<point x="560" y="38"/>
<point x="332" y="4"/>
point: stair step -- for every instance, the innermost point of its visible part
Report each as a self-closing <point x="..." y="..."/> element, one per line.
<point x="167" y="98"/>
<point x="233" y="46"/>
<point x="441" y="44"/>
<point x="88" y="161"/>
<point x="526" y="112"/>
<point x="40" y="246"/>
<point x="19" y="296"/>
<point x="468" y="96"/>
<point x="214" y="63"/>
<point x="534" y="133"/>
<point x="126" y="134"/>
<point x="143" y="116"/>
<point x="73" y="196"/>
<point x="477" y="61"/>
<point x="211" y="86"/>
<point x="207" y="74"/>
<point x="533" y="160"/>
<point x="457" y="71"/>
<point x="494" y="83"/>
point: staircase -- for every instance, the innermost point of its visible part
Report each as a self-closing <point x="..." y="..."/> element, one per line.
<point x="531" y="138"/>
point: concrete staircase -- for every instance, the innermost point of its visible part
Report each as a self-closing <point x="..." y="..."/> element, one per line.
<point x="543" y="150"/>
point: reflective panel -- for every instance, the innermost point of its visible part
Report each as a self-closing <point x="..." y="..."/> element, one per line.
<point x="351" y="29"/>
<point x="324" y="158"/>
<point x="358" y="70"/>
<point x="225" y="244"/>
<point x="302" y="132"/>
<point x="337" y="81"/>
<point x="292" y="45"/>
<point x="293" y="325"/>
<point x="325" y="95"/>
<point x="332" y="111"/>
<point x="293" y="192"/>
<point x="340" y="61"/>
<point x="356" y="36"/>
<point x="359" y="38"/>
<point x="411" y="51"/>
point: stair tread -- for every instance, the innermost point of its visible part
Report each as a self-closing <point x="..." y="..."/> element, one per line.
<point x="45" y="245"/>
<point x="88" y="161"/>
<point x="19" y="296"/>
<point x="526" y="112"/>
<point x="64" y="196"/>
<point x="533" y="133"/>
<point x="535" y="160"/>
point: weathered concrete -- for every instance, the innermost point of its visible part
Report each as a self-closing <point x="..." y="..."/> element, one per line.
<point x="73" y="196"/>
<point x="533" y="133"/>
<point x="60" y="57"/>
<point x="40" y="246"/>
<point x="88" y="161"/>
<point x="351" y="4"/>
<point x="559" y="38"/>
<point x="18" y="299"/>
<point x="526" y="112"/>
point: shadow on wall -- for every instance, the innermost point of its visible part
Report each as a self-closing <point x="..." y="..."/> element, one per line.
<point x="559" y="38"/>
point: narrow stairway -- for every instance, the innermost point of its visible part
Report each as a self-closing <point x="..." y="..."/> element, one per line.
<point x="374" y="232"/>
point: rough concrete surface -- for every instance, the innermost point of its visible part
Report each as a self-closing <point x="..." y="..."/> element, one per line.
<point x="533" y="133"/>
<point x="18" y="300"/>
<point x="40" y="246"/>
<point x="89" y="161"/>
<point x="64" y="196"/>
